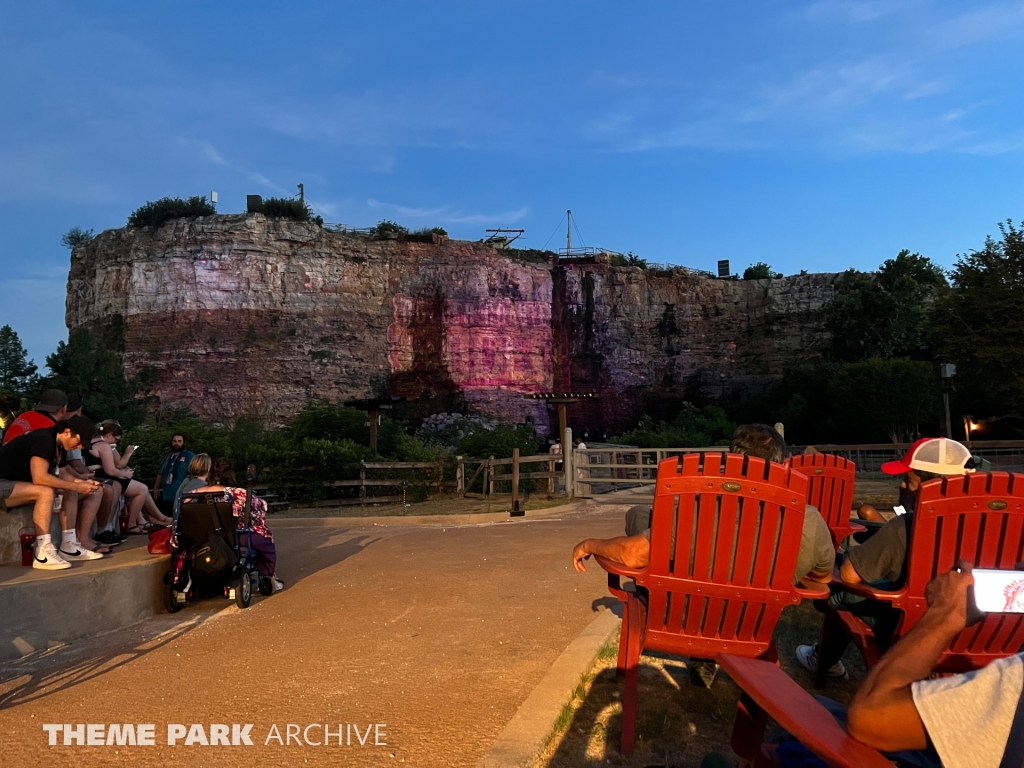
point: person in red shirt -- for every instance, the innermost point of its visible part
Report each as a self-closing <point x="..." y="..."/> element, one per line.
<point x="51" y="408"/>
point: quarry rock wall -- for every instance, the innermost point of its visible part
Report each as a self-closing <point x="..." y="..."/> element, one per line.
<point x="239" y="314"/>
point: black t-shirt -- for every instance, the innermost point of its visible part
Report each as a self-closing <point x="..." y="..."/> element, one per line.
<point x="881" y="557"/>
<point x="16" y="456"/>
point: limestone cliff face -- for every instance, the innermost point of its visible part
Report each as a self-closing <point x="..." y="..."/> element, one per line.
<point x="236" y="314"/>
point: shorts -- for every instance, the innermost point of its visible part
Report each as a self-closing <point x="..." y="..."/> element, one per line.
<point x="6" y="489"/>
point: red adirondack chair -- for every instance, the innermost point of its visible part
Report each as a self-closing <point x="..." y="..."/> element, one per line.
<point x="978" y="518"/>
<point x="768" y="691"/>
<point x="737" y="523"/>
<point x="830" y="489"/>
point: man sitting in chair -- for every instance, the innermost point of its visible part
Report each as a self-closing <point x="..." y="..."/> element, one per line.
<point x="815" y="560"/>
<point x="879" y="561"/>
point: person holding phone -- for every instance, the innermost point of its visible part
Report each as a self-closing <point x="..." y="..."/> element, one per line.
<point x="971" y="719"/>
<point x="107" y="464"/>
<point x="172" y="473"/>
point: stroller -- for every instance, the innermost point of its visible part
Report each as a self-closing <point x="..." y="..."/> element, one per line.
<point x="212" y="554"/>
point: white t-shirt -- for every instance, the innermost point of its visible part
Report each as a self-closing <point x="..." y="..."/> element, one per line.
<point x="968" y="716"/>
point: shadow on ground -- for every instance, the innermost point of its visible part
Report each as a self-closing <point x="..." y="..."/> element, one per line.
<point x="301" y="553"/>
<point x="677" y="722"/>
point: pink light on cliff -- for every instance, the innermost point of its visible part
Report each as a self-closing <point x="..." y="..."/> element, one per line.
<point x="440" y="344"/>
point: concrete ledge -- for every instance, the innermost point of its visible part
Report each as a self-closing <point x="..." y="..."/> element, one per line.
<point x="527" y="732"/>
<point x="43" y="609"/>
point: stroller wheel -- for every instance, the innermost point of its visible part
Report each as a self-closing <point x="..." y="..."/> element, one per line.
<point x="170" y="599"/>
<point x="243" y="591"/>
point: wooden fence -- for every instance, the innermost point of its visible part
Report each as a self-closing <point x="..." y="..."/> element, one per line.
<point x="364" y="482"/>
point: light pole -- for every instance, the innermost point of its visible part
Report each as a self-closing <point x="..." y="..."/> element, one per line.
<point x="947" y="371"/>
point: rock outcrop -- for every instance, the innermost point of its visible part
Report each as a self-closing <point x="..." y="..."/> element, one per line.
<point x="239" y="314"/>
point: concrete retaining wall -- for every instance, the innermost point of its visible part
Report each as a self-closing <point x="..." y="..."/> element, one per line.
<point x="42" y="609"/>
<point x="11" y="522"/>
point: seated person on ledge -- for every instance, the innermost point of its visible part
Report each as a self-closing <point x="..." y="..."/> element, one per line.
<point x="879" y="561"/>
<point x="816" y="558"/>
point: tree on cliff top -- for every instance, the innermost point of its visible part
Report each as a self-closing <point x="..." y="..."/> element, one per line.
<point x="979" y="324"/>
<point x="155" y="213"/>
<point x="76" y="236"/>
<point x="17" y="373"/>
<point x="883" y="315"/>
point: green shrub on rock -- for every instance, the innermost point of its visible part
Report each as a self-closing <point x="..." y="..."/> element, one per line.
<point x="155" y="213"/>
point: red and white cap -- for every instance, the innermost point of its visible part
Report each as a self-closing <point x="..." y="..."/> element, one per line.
<point x="932" y="454"/>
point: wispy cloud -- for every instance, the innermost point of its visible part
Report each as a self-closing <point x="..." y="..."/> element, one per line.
<point x="901" y="94"/>
<point x="447" y="214"/>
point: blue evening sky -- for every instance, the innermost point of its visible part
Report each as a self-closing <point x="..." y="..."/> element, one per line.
<point x="810" y="135"/>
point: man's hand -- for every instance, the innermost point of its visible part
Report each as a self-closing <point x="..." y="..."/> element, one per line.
<point x="947" y="595"/>
<point x="86" y="486"/>
<point x="579" y="554"/>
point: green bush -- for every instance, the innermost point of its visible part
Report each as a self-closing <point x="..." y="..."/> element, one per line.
<point x="386" y="227"/>
<point x="287" y="208"/>
<point x="483" y="443"/>
<point x="76" y="236"/>
<point x="431" y="231"/>
<point x="760" y="271"/>
<point x="629" y="260"/>
<point x="153" y="214"/>
<point x="692" y="428"/>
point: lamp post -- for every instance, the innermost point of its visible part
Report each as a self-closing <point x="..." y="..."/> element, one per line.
<point x="947" y="371"/>
<point x="968" y="428"/>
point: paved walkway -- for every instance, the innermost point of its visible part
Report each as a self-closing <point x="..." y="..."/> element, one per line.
<point x="440" y="633"/>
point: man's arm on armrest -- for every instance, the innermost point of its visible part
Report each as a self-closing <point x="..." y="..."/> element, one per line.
<point x="882" y="713"/>
<point x="631" y="551"/>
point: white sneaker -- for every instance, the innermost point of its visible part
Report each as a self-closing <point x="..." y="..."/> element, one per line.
<point x="278" y="584"/>
<point x="46" y="558"/>
<point x="75" y="552"/>
<point x="808" y="656"/>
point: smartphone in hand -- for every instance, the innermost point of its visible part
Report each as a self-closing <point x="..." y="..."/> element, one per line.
<point x="998" y="591"/>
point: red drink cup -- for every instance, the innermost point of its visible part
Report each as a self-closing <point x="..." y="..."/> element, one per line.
<point x="28" y="542"/>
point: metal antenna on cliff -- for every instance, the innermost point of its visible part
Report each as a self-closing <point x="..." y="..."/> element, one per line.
<point x="568" y="233"/>
<point x="302" y="194"/>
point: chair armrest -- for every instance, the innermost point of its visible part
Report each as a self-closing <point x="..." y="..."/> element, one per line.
<point x="797" y="711"/>
<point x="818" y="590"/>
<point x="863" y="590"/>
<point x="618" y="568"/>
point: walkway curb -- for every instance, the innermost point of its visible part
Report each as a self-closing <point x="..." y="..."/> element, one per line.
<point x="527" y="732"/>
<point x="446" y="520"/>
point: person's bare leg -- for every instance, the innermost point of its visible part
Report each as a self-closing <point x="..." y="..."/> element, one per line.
<point x="869" y="513"/>
<point x="135" y="502"/>
<point x="106" y="510"/>
<point x="87" y="509"/>
<point x="40" y="497"/>
<point x="152" y="511"/>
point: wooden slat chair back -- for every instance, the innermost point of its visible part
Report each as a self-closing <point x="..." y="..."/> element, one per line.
<point x="720" y="583"/>
<point x="830" y="489"/>
<point x="978" y="518"/>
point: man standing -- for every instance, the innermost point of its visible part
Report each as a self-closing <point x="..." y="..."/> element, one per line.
<point x="172" y="473"/>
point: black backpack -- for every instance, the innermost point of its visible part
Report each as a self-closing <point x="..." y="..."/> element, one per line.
<point x="213" y="557"/>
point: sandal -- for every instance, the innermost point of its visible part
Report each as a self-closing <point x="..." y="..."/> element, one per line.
<point x="142" y="529"/>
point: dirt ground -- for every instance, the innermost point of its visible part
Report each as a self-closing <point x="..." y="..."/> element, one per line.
<point x="677" y="723"/>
